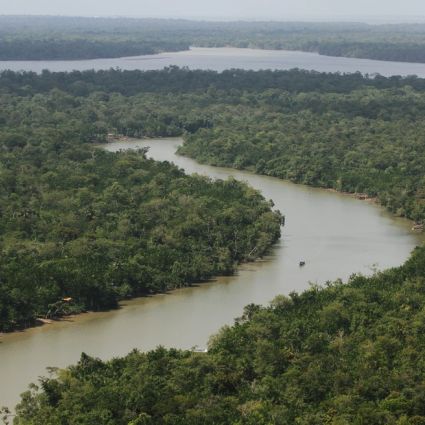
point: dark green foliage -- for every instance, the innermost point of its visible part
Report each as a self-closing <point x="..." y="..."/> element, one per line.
<point x="344" y="354"/>
<point x="69" y="208"/>
<point x="182" y="80"/>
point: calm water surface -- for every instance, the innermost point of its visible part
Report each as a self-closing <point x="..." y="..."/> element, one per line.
<point x="219" y="59"/>
<point x="335" y="234"/>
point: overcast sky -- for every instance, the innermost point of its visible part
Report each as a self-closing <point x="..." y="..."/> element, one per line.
<point x="229" y="9"/>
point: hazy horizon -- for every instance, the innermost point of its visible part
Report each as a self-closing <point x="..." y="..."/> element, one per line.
<point x="371" y="19"/>
<point x="277" y="10"/>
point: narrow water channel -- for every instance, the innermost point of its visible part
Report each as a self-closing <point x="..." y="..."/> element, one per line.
<point x="335" y="234"/>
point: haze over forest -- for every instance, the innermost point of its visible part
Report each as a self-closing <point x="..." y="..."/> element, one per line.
<point x="363" y="10"/>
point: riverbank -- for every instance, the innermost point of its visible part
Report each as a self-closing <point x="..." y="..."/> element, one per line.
<point x="415" y="226"/>
<point x="359" y="196"/>
<point x="127" y="302"/>
<point x="68" y="318"/>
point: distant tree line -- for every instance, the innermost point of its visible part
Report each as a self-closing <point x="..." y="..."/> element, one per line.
<point x="378" y="50"/>
<point x="79" y="49"/>
<point x="182" y="80"/>
<point x="49" y="38"/>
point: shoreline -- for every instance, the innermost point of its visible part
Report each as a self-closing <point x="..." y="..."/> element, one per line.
<point x="195" y="47"/>
<point x="43" y="324"/>
<point x="415" y="226"/>
<point x="360" y="196"/>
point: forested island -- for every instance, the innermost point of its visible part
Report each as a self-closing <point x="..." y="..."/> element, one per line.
<point x="67" y="38"/>
<point x="82" y="228"/>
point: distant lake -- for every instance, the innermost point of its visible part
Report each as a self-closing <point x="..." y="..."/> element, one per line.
<point x="219" y="59"/>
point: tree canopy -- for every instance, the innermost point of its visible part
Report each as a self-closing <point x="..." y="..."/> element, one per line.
<point x="346" y="132"/>
<point x="83" y="225"/>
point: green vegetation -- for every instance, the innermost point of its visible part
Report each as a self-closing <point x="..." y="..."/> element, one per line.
<point x="83" y="223"/>
<point x="25" y="38"/>
<point x="344" y="354"/>
<point x="346" y="132"/>
<point x="77" y="222"/>
<point x="366" y="141"/>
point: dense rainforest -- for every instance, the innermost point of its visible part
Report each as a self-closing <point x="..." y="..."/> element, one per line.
<point x="344" y="354"/>
<point x="81" y="228"/>
<point x="49" y="38"/>
<point x="345" y="132"/>
<point x="367" y="141"/>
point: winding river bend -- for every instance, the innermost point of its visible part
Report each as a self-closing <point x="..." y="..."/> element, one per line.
<point x="335" y="234"/>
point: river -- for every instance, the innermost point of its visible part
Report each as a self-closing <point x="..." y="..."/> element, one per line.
<point x="219" y="59"/>
<point x="335" y="234"/>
